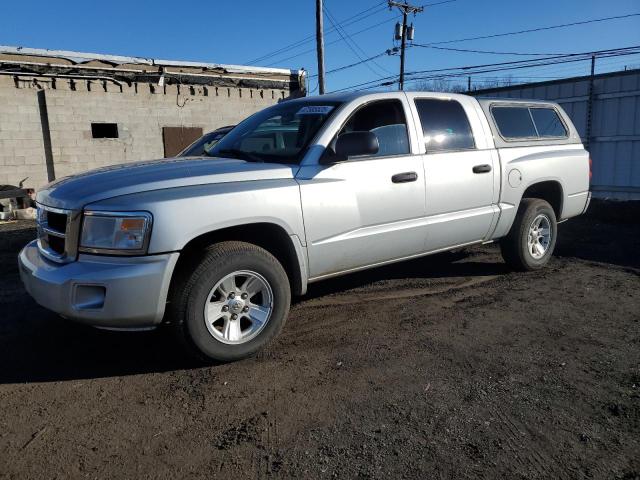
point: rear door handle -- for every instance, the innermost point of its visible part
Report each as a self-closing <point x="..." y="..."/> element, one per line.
<point x="404" y="177"/>
<point x="482" y="168"/>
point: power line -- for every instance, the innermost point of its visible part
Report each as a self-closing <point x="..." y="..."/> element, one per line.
<point x="463" y="74"/>
<point x="343" y="24"/>
<point x="578" y="70"/>
<point x="378" y="66"/>
<point x="555" y="71"/>
<point x="517" y="67"/>
<point x="351" y="65"/>
<point x="466" y="70"/>
<point x="349" y="41"/>
<point x="538" y="29"/>
<point x="519" y="80"/>
<point x="483" y="51"/>
<point x="500" y="66"/>
<point x="379" y="7"/>
<point x="372" y="58"/>
<point x="436" y="3"/>
<point x="434" y="44"/>
<point x="338" y="40"/>
<point x="348" y="21"/>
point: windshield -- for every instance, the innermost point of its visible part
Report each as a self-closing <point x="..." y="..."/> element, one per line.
<point x="202" y="145"/>
<point x="278" y="134"/>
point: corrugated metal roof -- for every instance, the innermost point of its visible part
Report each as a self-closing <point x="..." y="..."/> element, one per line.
<point x="63" y="64"/>
<point x="83" y="57"/>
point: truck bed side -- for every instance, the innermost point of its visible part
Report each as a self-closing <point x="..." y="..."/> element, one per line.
<point x="553" y="168"/>
<point x="563" y="169"/>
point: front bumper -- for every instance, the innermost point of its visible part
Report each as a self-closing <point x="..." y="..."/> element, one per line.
<point x="112" y="292"/>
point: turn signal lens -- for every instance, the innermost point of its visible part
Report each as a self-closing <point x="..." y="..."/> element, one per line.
<point x="127" y="224"/>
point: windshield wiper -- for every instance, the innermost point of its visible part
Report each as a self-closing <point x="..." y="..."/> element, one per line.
<point x="239" y="154"/>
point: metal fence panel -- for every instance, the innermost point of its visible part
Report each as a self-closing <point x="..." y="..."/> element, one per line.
<point x="614" y="140"/>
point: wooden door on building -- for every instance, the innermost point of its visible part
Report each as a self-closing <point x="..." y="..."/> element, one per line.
<point x="177" y="139"/>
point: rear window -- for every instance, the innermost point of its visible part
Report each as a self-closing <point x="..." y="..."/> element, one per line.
<point x="548" y="123"/>
<point x="528" y="122"/>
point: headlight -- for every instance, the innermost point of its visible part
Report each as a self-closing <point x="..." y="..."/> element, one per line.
<point x="115" y="233"/>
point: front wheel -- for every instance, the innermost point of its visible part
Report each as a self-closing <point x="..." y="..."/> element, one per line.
<point x="232" y="303"/>
<point x="532" y="238"/>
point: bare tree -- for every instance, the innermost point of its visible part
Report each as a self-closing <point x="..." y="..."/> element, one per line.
<point x="441" y="85"/>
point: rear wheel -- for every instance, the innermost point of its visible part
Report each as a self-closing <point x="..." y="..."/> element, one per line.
<point x="532" y="238"/>
<point x="232" y="303"/>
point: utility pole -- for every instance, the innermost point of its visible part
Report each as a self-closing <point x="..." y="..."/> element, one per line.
<point x="587" y="140"/>
<point x="406" y="9"/>
<point x="320" y="46"/>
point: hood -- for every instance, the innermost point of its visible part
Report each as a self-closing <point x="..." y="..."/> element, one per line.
<point x="76" y="191"/>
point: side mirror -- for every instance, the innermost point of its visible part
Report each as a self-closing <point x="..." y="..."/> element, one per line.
<point x="353" y="144"/>
<point x="350" y="144"/>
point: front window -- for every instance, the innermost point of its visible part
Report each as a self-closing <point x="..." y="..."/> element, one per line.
<point x="386" y="119"/>
<point x="278" y="134"/>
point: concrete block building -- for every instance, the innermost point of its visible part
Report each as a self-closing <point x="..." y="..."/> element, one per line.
<point x="65" y="112"/>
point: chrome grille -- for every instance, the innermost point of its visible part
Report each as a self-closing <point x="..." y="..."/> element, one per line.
<point x="57" y="233"/>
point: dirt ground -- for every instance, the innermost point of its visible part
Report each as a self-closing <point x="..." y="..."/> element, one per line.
<point x="448" y="367"/>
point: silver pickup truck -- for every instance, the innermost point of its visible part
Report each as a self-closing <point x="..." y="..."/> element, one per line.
<point x="302" y="191"/>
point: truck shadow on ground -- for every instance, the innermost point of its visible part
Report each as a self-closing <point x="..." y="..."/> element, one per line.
<point x="38" y="346"/>
<point x="468" y="262"/>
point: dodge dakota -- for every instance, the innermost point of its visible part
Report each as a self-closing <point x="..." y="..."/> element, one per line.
<point x="215" y="246"/>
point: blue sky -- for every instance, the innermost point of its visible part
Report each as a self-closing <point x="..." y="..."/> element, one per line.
<point x="239" y="32"/>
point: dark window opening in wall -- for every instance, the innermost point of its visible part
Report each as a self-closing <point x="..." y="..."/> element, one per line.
<point x="104" y="130"/>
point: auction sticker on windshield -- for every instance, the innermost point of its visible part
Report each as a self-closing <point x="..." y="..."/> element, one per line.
<point x="315" y="110"/>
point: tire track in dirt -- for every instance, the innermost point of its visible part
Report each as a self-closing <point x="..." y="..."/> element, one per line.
<point x="461" y="289"/>
<point x="528" y="455"/>
<point x="350" y="299"/>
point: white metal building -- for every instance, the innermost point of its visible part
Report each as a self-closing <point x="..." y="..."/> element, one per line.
<point x="605" y="109"/>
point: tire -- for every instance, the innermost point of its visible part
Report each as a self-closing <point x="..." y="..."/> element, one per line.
<point x="516" y="248"/>
<point x="227" y="340"/>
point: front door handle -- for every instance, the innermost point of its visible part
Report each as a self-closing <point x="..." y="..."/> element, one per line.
<point x="482" y="168"/>
<point x="404" y="177"/>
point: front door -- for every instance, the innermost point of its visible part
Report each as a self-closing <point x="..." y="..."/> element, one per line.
<point x="366" y="210"/>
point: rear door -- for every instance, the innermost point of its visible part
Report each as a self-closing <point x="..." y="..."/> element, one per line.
<point x="460" y="170"/>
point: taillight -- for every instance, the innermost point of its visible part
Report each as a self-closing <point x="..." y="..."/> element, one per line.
<point x="590" y="168"/>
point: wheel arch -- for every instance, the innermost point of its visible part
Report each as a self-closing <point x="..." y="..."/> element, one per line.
<point x="286" y="248"/>
<point x="550" y="191"/>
